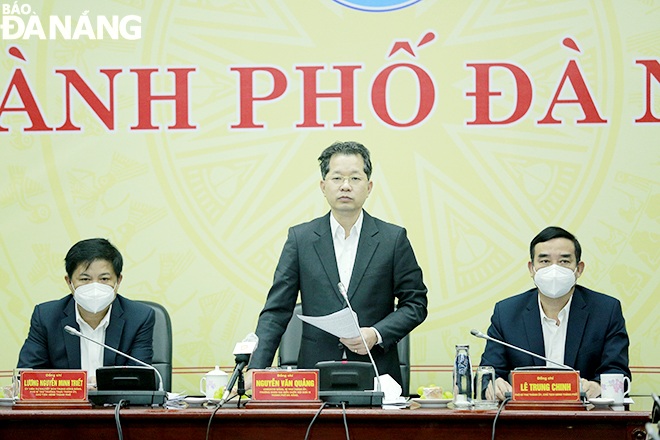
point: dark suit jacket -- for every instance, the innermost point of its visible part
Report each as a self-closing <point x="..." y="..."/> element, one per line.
<point x="47" y="345"/>
<point x="596" y="338"/>
<point x="385" y="270"/>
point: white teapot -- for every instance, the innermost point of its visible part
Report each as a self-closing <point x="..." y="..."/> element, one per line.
<point x="213" y="383"/>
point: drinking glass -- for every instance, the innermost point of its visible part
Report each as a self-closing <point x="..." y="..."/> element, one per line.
<point x="484" y="388"/>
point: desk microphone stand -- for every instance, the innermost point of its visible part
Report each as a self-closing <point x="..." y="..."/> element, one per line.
<point x="240" y="388"/>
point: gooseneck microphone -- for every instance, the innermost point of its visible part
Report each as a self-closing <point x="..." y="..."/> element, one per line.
<point x="342" y="290"/>
<point x="72" y="331"/>
<point x="242" y="351"/>
<point x="478" y="334"/>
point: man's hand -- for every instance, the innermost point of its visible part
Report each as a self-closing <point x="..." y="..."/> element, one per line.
<point x="591" y="388"/>
<point x="501" y="387"/>
<point x="356" y="345"/>
<point x="247" y="378"/>
<point x="91" y="383"/>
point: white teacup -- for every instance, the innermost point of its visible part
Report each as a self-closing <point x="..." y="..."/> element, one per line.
<point x="612" y="387"/>
<point x="213" y="384"/>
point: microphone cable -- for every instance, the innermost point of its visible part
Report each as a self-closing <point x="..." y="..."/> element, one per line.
<point x="343" y="413"/>
<point x="240" y="397"/>
<point x="309" y="428"/>
<point x="208" y="426"/>
<point x="217" y="407"/>
<point x="499" y="410"/>
<point x="121" y="404"/>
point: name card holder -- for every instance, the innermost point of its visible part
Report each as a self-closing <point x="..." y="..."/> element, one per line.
<point x="52" y="389"/>
<point x="545" y="389"/>
<point x="285" y="389"/>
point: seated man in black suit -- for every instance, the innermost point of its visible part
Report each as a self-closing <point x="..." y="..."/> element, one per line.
<point x="94" y="308"/>
<point x="558" y="319"/>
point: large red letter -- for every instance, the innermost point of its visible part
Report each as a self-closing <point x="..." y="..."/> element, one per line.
<point x="346" y="96"/>
<point x="247" y="98"/>
<point x="652" y="69"/>
<point x="380" y="95"/>
<point x="105" y="114"/>
<point x="29" y="103"/>
<point x="583" y="98"/>
<point x="180" y="98"/>
<point x="482" y="93"/>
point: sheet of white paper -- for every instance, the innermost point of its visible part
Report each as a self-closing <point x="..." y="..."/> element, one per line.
<point x="339" y="324"/>
<point x="391" y="389"/>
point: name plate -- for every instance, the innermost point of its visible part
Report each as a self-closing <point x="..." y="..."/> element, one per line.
<point x="289" y="385"/>
<point x="547" y="385"/>
<point x="50" y="385"/>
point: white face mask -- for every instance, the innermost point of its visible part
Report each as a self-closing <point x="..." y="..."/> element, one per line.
<point x="554" y="281"/>
<point x="94" y="297"/>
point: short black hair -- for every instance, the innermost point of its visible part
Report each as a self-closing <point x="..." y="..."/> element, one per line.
<point x="90" y="250"/>
<point x="550" y="233"/>
<point x="346" y="148"/>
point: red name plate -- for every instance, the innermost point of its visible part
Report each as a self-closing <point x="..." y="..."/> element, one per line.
<point x="64" y="385"/>
<point x="548" y="385"/>
<point x="292" y="385"/>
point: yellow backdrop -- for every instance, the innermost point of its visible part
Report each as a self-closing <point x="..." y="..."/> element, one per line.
<point x="198" y="193"/>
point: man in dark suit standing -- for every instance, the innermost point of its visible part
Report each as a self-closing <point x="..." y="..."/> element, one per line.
<point x="94" y="273"/>
<point x="558" y="319"/>
<point x="372" y="259"/>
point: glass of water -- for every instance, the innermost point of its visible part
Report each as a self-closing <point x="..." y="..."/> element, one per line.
<point x="484" y="388"/>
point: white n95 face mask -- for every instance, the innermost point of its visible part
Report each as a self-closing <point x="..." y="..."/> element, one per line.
<point x="94" y="297"/>
<point x="554" y="281"/>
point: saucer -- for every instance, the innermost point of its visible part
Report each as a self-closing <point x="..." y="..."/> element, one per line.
<point x="195" y="401"/>
<point x="432" y="403"/>
<point x="601" y="401"/>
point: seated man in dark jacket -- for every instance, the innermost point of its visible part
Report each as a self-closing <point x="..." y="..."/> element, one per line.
<point x="93" y="275"/>
<point x="558" y="319"/>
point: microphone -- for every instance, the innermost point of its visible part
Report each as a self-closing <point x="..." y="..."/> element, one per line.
<point x="72" y="331"/>
<point x="343" y="292"/>
<point x="478" y="334"/>
<point x="242" y="352"/>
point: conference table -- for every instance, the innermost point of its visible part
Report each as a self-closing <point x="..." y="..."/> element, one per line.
<point x="292" y="423"/>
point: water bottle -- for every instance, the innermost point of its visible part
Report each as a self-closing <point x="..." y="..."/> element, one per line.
<point x="462" y="377"/>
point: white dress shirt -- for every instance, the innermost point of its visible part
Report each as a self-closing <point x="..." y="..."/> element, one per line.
<point x="345" y="247"/>
<point x="91" y="354"/>
<point x="345" y="252"/>
<point x="554" y="333"/>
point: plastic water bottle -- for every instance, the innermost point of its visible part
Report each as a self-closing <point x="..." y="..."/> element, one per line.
<point x="462" y="377"/>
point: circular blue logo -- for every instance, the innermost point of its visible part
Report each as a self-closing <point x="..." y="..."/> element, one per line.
<point x="377" y="5"/>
